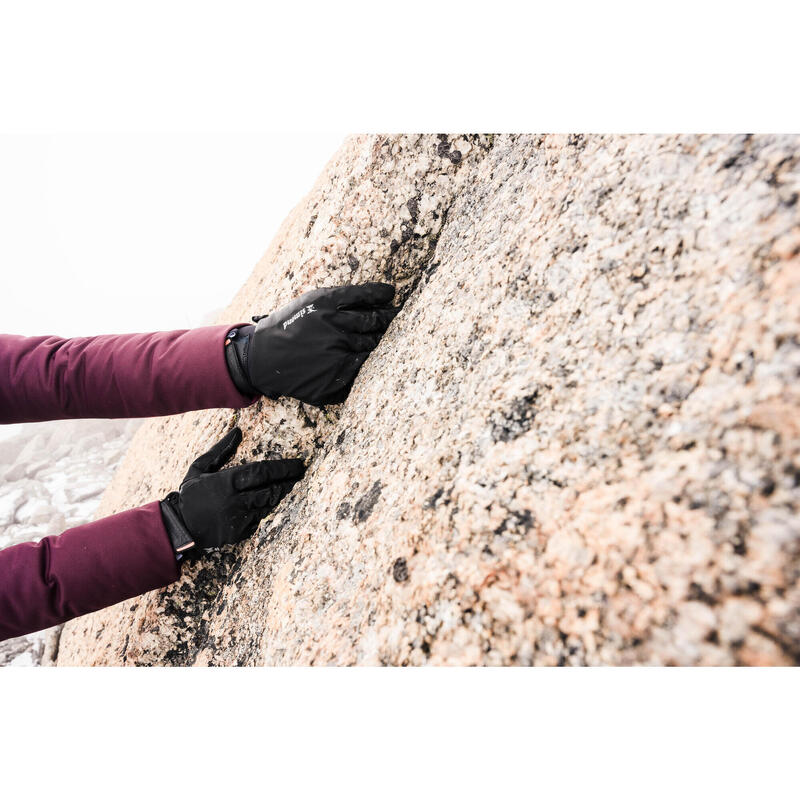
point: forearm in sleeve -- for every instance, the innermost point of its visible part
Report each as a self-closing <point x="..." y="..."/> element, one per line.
<point x="84" y="569"/>
<point x="127" y="375"/>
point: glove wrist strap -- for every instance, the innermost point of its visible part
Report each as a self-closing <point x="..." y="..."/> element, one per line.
<point x="179" y="536"/>
<point x="237" y="346"/>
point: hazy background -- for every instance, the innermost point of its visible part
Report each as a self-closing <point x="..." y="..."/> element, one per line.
<point x="128" y="232"/>
<point x="115" y="233"/>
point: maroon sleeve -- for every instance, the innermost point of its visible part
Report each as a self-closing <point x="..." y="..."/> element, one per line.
<point x="84" y="569"/>
<point x="128" y="375"/>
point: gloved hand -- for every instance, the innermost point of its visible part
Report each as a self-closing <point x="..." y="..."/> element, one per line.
<point x="214" y="507"/>
<point x="312" y="348"/>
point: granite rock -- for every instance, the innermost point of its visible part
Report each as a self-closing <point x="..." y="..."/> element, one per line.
<point x="578" y="442"/>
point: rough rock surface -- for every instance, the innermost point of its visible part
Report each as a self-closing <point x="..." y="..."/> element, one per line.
<point x="578" y="443"/>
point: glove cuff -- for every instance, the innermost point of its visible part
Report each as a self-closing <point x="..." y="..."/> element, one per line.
<point x="237" y="349"/>
<point x="182" y="542"/>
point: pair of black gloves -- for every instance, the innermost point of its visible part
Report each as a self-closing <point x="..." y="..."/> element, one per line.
<point x="311" y="350"/>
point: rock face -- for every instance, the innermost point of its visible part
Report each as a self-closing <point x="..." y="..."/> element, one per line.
<point x="578" y="443"/>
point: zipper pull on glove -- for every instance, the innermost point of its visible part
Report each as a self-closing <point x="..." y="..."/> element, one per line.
<point x="214" y="507"/>
<point x="313" y="348"/>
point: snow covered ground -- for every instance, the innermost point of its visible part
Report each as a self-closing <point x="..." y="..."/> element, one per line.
<point x="52" y="475"/>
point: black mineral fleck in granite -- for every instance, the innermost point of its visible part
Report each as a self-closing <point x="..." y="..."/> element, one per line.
<point x="400" y="570"/>
<point x="366" y="503"/>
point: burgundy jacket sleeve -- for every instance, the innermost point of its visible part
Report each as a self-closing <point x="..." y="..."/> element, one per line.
<point x="84" y="569"/>
<point x="128" y="375"/>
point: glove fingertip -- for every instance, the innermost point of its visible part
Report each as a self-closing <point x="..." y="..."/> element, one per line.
<point x="230" y="444"/>
<point x="364" y="295"/>
<point x="382" y="292"/>
<point x="236" y="433"/>
<point x="232" y="439"/>
<point x="295" y="467"/>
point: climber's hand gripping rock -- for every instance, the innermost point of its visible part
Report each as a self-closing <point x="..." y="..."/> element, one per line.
<point x="214" y="507"/>
<point x="312" y="348"/>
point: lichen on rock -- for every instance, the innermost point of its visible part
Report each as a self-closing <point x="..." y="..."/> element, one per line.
<point x="576" y="444"/>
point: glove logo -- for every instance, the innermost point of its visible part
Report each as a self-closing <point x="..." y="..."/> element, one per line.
<point x="309" y="309"/>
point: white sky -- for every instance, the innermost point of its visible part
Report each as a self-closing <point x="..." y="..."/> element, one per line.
<point x="107" y="233"/>
<point x="116" y="233"/>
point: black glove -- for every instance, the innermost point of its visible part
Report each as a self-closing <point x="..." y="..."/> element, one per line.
<point x="312" y="348"/>
<point x="213" y="508"/>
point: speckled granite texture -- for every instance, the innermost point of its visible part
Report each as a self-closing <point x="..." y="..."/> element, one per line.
<point x="578" y="443"/>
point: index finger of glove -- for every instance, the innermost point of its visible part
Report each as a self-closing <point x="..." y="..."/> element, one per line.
<point x="262" y="473"/>
<point x="217" y="456"/>
<point x="375" y="321"/>
<point x="365" y="295"/>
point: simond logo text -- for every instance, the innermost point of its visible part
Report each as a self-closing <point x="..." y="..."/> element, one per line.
<point x="309" y="309"/>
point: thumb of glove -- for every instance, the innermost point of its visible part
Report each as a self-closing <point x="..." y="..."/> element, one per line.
<point x="217" y="456"/>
